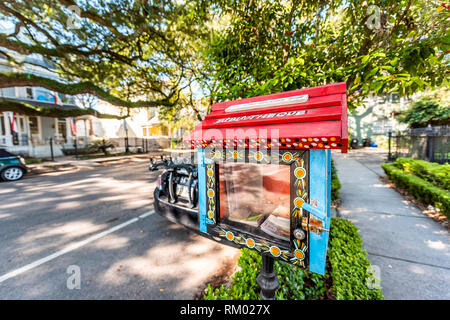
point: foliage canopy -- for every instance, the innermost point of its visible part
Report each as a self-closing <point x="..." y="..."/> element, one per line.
<point x="375" y="46"/>
<point x="129" y="53"/>
<point x="431" y="108"/>
<point x="162" y="53"/>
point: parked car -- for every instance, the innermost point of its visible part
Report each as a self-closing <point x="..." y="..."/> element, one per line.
<point x="12" y="167"/>
<point x="176" y="196"/>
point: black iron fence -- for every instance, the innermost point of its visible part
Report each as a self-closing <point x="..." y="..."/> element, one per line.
<point x="431" y="144"/>
<point x="83" y="145"/>
<point x="135" y="144"/>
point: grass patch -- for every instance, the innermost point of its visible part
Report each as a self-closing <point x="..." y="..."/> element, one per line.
<point x="109" y="155"/>
<point x="34" y="160"/>
<point x="346" y="277"/>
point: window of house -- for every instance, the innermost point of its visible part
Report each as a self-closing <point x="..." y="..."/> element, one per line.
<point x="164" y="131"/>
<point x="150" y="113"/>
<point x="29" y="93"/>
<point x="2" y="125"/>
<point x="144" y="131"/>
<point x="8" y="92"/>
<point x="44" y="95"/>
<point x="381" y="126"/>
<point x="22" y="126"/>
<point x="395" y="98"/>
<point x="33" y="123"/>
<point x="154" y="131"/>
<point x="62" y="129"/>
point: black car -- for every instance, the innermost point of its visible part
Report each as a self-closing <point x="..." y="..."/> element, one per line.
<point x="12" y="167"/>
<point x="176" y="196"/>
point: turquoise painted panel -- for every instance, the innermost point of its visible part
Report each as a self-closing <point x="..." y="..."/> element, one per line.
<point x="315" y="211"/>
<point x="327" y="224"/>
<point x="201" y="189"/>
<point x="202" y="201"/>
<point x="319" y="197"/>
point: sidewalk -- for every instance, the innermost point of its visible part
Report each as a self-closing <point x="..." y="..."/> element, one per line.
<point x="411" y="250"/>
<point x="70" y="162"/>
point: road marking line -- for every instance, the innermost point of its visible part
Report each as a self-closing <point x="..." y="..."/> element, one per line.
<point x="71" y="247"/>
<point x="145" y="215"/>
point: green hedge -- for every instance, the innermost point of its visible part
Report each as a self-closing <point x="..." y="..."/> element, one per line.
<point x="421" y="189"/>
<point x="347" y="272"/>
<point x="349" y="265"/>
<point x="437" y="174"/>
<point x="335" y="183"/>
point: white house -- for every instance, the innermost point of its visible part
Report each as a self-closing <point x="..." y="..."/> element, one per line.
<point x="376" y="117"/>
<point x="142" y="123"/>
<point x="30" y="135"/>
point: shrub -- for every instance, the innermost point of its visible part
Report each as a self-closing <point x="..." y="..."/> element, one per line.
<point x="335" y="183"/>
<point x="421" y="189"/>
<point x="347" y="270"/>
<point x="102" y="145"/>
<point x="430" y="108"/>
<point x="437" y="174"/>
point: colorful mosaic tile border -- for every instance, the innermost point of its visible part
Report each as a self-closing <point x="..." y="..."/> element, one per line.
<point x="294" y="143"/>
<point x="210" y="194"/>
<point x="296" y="257"/>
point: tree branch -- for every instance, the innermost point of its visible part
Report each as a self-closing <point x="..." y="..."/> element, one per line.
<point x="54" y="112"/>
<point x="60" y="51"/>
<point x="12" y="79"/>
<point x="27" y="21"/>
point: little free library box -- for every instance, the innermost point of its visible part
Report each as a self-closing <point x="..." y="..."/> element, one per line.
<point x="264" y="170"/>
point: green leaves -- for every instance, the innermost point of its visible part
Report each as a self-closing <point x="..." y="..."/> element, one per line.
<point x="349" y="263"/>
<point x="126" y="52"/>
<point x="401" y="56"/>
<point x="437" y="174"/>
<point x="347" y="270"/>
<point x="430" y="108"/>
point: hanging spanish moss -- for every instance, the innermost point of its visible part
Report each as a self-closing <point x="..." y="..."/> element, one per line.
<point x="54" y="112"/>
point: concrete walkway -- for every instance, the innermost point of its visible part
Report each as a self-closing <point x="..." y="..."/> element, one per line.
<point x="70" y="162"/>
<point x="411" y="250"/>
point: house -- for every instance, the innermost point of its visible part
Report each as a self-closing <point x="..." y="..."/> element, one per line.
<point x="30" y="135"/>
<point x="376" y="117"/>
<point x="142" y="123"/>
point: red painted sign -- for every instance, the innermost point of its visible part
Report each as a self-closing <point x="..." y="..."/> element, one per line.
<point x="311" y="118"/>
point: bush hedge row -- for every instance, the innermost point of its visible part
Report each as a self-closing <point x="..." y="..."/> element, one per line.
<point x="346" y="278"/>
<point x="437" y="174"/>
<point x="421" y="189"/>
<point x="335" y="183"/>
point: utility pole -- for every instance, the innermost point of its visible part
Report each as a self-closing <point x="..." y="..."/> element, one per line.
<point x="127" y="148"/>
<point x="390" y="141"/>
<point x="51" y="149"/>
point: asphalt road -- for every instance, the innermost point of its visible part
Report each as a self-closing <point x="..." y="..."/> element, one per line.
<point x="92" y="234"/>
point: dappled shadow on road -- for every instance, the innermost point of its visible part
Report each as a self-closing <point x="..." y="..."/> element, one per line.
<point x="149" y="259"/>
<point x="42" y="214"/>
<point x="152" y="259"/>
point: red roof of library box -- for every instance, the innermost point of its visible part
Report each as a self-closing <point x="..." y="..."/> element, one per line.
<point x="311" y="118"/>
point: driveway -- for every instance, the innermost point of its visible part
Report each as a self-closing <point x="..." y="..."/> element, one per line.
<point x="93" y="234"/>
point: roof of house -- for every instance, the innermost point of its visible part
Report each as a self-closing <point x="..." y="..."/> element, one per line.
<point x="44" y="104"/>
